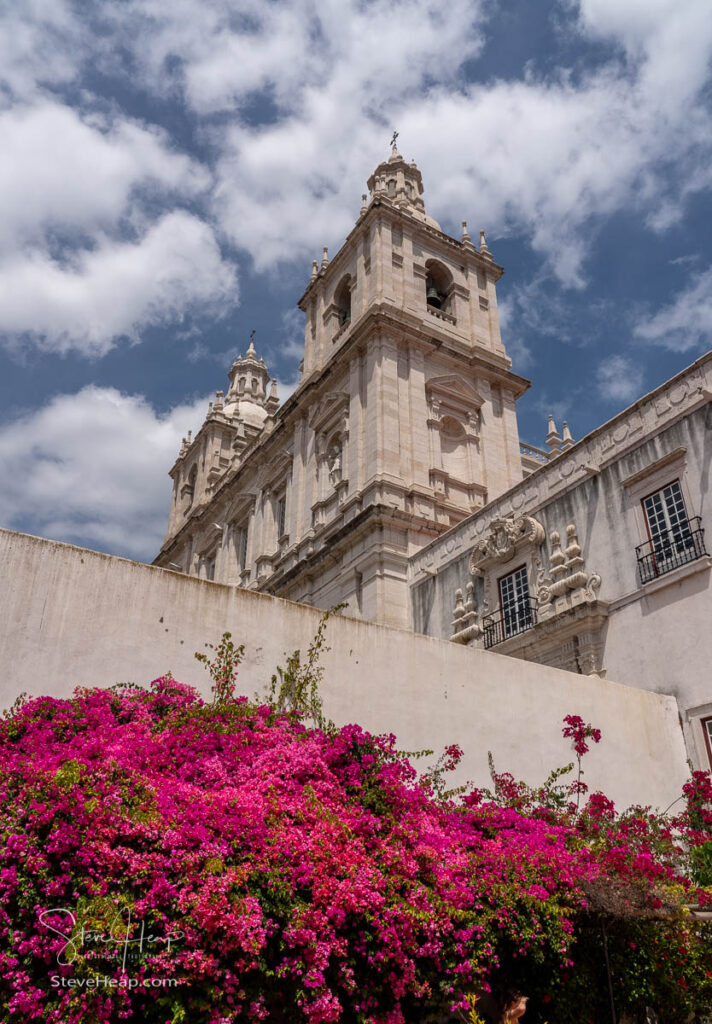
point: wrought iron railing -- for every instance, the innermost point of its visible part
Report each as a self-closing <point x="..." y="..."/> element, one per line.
<point x="670" y="550"/>
<point x="502" y="624"/>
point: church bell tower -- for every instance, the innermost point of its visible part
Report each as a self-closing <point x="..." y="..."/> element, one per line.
<point x="402" y="425"/>
<point x="402" y="337"/>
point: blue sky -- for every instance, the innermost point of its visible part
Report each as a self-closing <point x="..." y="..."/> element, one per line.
<point x="169" y="169"/>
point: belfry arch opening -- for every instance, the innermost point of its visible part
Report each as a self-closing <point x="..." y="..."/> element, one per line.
<point x="342" y="300"/>
<point x="438" y="282"/>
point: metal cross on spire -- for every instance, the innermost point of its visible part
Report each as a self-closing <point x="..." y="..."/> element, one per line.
<point x="393" y="140"/>
<point x="252" y="335"/>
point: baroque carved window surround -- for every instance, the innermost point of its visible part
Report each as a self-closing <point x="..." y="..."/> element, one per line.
<point x="330" y="422"/>
<point x="454" y="417"/>
<point x="557" y="617"/>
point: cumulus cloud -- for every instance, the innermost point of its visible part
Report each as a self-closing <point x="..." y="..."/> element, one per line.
<point x="40" y="44"/>
<point x="84" y="260"/>
<point x="550" y="155"/>
<point x="687" y="322"/>
<point x="219" y="53"/>
<point x="115" y="289"/>
<point x="546" y="154"/>
<point x="91" y="468"/>
<point x="619" y="379"/>
<point x="61" y="171"/>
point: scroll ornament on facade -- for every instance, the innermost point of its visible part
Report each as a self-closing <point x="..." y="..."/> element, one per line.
<point x="567" y="584"/>
<point x="505" y="535"/>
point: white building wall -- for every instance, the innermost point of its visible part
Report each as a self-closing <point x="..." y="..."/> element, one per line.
<point x="70" y="617"/>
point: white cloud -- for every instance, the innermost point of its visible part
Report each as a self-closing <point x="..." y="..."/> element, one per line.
<point x="92" y="467"/>
<point x="84" y="260"/>
<point x="544" y="156"/>
<point x="550" y="156"/>
<point x="220" y="52"/>
<point x="62" y="171"/>
<point x="619" y="379"/>
<point x="40" y="43"/>
<point x="115" y="289"/>
<point x="687" y="322"/>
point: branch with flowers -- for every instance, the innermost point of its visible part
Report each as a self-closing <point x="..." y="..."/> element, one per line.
<point x="168" y="860"/>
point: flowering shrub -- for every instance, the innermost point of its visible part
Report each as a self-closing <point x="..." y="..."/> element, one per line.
<point x="170" y="861"/>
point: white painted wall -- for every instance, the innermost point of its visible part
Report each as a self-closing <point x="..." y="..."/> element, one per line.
<point x="71" y="616"/>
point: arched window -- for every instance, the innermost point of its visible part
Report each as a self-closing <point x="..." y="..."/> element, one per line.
<point x="391" y="187"/>
<point x="438" y="282"/>
<point x="342" y="300"/>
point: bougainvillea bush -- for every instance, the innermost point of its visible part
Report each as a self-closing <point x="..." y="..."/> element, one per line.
<point x="169" y="860"/>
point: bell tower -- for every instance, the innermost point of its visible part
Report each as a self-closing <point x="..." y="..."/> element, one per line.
<point x="402" y="336"/>
<point x="402" y="425"/>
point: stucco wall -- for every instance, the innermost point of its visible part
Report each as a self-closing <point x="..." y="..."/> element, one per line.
<point x="70" y="616"/>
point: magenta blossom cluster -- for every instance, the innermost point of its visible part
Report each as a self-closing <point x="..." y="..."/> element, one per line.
<point x="580" y="731"/>
<point x="170" y="862"/>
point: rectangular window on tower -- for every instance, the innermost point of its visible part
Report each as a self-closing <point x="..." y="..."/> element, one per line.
<point x="281" y="515"/>
<point x="241" y="547"/>
<point x="673" y="537"/>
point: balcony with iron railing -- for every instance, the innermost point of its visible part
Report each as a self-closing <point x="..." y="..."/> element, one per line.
<point x="502" y="625"/>
<point x="671" y="550"/>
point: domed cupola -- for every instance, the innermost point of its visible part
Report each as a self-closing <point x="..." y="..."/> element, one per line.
<point x="400" y="182"/>
<point x="248" y="398"/>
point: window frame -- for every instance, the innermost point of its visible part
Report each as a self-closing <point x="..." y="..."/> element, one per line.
<point x="523" y="603"/>
<point x="280" y="514"/>
<point x="706" y="723"/>
<point x="669" y="528"/>
<point x="241" y="545"/>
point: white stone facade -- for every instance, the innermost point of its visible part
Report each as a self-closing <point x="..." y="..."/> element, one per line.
<point x="403" y="423"/>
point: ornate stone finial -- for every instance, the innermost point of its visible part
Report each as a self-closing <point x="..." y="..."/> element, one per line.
<point x="484" y="251"/>
<point x="465" y="624"/>
<point x="364" y="202"/>
<point x="314" y="271"/>
<point x="210" y="408"/>
<point x="183" y="447"/>
<point x="190" y="437"/>
<point x="218" y="401"/>
<point x="325" y="258"/>
<point x="273" y="388"/>
<point x="553" y="438"/>
<point x="557" y="562"/>
<point x="574" y="561"/>
<point x="465" y="232"/>
<point x="568" y="439"/>
<point x="394" y="149"/>
<point x="251" y="347"/>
